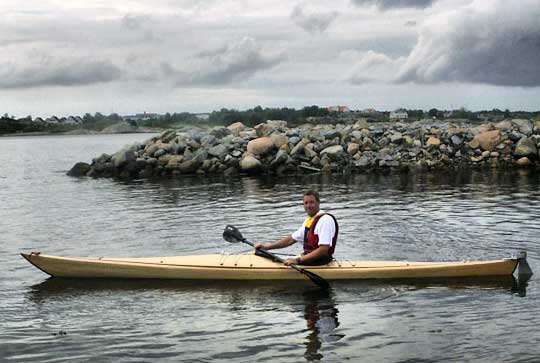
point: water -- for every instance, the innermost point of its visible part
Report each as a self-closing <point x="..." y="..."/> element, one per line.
<point x="457" y="216"/>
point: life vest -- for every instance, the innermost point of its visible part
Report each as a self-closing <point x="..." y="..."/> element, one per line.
<point x="311" y="240"/>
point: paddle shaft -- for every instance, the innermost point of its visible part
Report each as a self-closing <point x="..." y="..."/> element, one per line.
<point x="313" y="277"/>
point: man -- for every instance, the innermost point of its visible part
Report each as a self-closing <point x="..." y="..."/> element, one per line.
<point x="318" y="233"/>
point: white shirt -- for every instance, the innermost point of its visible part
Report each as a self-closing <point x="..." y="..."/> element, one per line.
<point x="325" y="229"/>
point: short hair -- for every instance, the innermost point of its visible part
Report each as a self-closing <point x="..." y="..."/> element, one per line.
<point x="313" y="193"/>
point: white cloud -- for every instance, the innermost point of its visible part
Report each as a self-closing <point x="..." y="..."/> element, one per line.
<point x="372" y="67"/>
<point x="312" y="22"/>
<point x="392" y="4"/>
<point x="235" y="62"/>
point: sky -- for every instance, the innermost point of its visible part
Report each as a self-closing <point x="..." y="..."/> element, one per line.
<point x="85" y="56"/>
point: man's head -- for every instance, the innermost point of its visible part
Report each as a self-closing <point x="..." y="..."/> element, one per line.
<point x="312" y="202"/>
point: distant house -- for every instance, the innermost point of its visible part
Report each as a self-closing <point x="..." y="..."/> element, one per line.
<point x="339" y="109"/>
<point x="399" y="115"/>
<point x="142" y="116"/>
<point x="202" y="116"/>
<point x="39" y="119"/>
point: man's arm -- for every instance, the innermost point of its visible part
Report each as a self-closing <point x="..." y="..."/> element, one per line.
<point x="321" y="251"/>
<point x="284" y="242"/>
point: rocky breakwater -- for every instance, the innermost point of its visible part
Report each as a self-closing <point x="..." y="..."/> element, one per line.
<point x="273" y="148"/>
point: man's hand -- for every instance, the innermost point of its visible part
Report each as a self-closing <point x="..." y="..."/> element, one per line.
<point x="259" y="246"/>
<point x="290" y="261"/>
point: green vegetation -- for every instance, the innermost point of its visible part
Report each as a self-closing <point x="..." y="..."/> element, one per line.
<point x="250" y="117"/>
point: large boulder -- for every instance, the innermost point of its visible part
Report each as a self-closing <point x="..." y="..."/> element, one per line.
<point x="236" y="127"/>
<point x="524" y="126"/>
<point x="279" y="139"/>
<point x="333" y="151"/>
<point x="218" y="151"/>
<point x="526" y="147"/>
<point x="486" y="140"/>
<point x="123" y="157"/>
<point x="79" y="169"/>
<point x="260" y="146"/>
<point x="433" y="142"/>
<point x="250" y="164"/>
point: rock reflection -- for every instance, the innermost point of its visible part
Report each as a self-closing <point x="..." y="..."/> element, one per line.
<point x="321" y="317"/>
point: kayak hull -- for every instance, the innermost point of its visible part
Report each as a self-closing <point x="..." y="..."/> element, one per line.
<point x="252" y="267"/>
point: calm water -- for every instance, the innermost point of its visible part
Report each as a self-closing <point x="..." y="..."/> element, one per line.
<point x="429" y="217"/>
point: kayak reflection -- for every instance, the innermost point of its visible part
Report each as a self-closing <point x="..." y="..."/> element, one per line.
<point x="321" y="317"/>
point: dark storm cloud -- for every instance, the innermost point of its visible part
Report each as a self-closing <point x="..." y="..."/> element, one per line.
<point x="312" y="23"/>
<point x="57" y="73"/>
<point x="495" y="43"/>
<point x="390" y="4"/>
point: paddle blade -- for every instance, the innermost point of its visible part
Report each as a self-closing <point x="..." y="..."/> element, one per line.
<point x="316" y="279"/>
<point x="232" y="234"/>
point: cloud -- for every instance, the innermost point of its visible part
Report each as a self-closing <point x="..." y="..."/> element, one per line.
<point x="237" y="61"/>
<point x="391" y="4"/>
<point x="491" y="42"/>
<point x="314" y="22"/>
<point x="371" y="67"/>
<point x="45" y="70"/>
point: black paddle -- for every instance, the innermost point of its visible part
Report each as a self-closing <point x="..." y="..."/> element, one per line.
<point x="233" y="235"/>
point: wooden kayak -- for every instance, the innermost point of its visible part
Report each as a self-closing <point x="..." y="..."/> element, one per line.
<point x="253" y="267"/>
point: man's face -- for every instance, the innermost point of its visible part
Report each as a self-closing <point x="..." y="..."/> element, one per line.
<point x="311" y="206"/>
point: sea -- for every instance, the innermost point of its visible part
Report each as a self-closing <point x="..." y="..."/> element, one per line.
<point x="443" y="216"/>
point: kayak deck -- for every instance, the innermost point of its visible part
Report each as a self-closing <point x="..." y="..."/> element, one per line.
<point x="252" y="267"/>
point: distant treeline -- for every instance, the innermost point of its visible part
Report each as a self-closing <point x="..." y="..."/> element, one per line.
<point x="250" y="117"/>
<point x="258" y="114"/>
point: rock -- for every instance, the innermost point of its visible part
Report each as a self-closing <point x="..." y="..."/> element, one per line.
<point x="159" y="152"/>
<point x="279" y="140"/>
<point x="281" y="158"/>
<point x="333" y="150"/>
<point x="248" y="134"/>
<point x="486" y="140"/>
<point x="524" y="126"/>
<point x="218" y="151"/>
<point x="433" y="142"/>
<point x="167" y="136"/>
<point x="361" y="124"/>
<point x="122" y="157"/>
<point x="526" y="147"/>
<point x="200" y="156"/>
<point x="298" y="149"/>
<point x="524" y="161"/>
<point x="503" y="125"/>
<point x="174" y="162"/>
<point x="209" y="140"/>
<point x="456" y="131"/>
<point x="396" y="137"/>
<point x="220" y="132"/>
<point x="250" y="164"/>
<point x="263" y="130"/>
<point x="102" y="159"/>
<point x="260" y="146"/>
<point x="481" y="129"/>
<point x="187" y="167"/>
<point x="456" y="140"/>
<point x="151" y="149"/>
<point x="353" y="148"/>
<point x="79" y="169"/>
<point x="236" y="127"/>
<point x="331" y="134"/>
